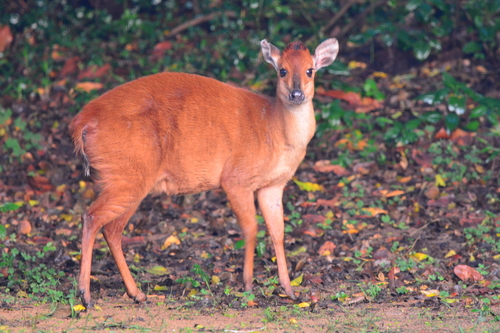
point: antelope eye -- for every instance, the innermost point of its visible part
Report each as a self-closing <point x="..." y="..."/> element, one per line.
<point x="283" y="72"/>
<point x="309" y="72"/>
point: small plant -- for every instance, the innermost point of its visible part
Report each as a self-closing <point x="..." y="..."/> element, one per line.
<point x="371" y="291"/>
<point x="402" y="290"/>
<point x="34" y="279"/>
<point x="191" y="283"/>
<point x="247" y="297"/>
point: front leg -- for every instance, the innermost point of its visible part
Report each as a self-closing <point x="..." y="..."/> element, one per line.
<point x="242" y="203"/>
<point x="271" y="205"/>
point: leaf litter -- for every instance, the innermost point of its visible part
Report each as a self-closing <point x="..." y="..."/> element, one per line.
<point x="412" y="225"/>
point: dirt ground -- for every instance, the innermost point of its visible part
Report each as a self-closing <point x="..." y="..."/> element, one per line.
<point x="120" y="314"/>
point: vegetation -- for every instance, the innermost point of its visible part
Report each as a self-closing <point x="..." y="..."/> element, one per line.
<point x="399" y="190"/>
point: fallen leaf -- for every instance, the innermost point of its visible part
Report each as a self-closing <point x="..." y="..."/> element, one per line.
<point x="304" y="305"/>
<point x="450" y="253"/>
<point x="363" y="168"/>
<point x="421" y="158"/>
<point x="440" y="181"/>
<point x="467" y="273"/>
<point x="461" y="137"/>
<point x="374" y="211"/>
<point x="308" y="186"/>
<point x="79" y="308"/>
<point x="394" y="193"/>
<point x="356" y="102"/>
<point x="93" y="71"/>
<point x="297" y="281"/>
<point x="327" y="248"/>
<point x="158" y="270"/>
<point x="5" y="37"/>
<point x="430" y="293"/>
<point x="88" y="86"/>
<point x="172" y="239"/>
<point x="404" y="180"/>
<point x="326" y="166"/>
<point x="356" y="64"/>
<point x="328" y="203"/>
<point x="24" y="227"/>
<point x="419" y="256"/>
<point x="432" y="192"/>
<point x="442" y="134"/>
<point x="40" y="183"/>
<point x="160" y="48"/>
<point x="70" y="67"/>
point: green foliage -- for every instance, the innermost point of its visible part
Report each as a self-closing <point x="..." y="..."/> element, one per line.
<point x="25" y="273"/>
<point x="431" y="20"/>
<point x="454" y="95"/>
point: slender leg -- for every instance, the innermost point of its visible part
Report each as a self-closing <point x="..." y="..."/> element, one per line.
<point x="113" y="235"/>
<point x="110" y="208"/>
<point x="242" y="203"/>
<point x="270" y="203"/>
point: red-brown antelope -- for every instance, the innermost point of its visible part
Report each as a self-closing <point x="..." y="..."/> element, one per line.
<point x="182" y="133"/>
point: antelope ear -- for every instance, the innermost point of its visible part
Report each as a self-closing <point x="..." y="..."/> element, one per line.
<point x="271" y="53"/>
<point x="326" y="53"/>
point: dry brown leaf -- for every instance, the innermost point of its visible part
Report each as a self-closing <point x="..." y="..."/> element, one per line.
<point x="40" y="183"/>
<point x="160" y="49"/>
<point x="24" y="227"/>
<point x="432" y="192"/>
<point x="5" y="37"/>
<point x="404" y="180"/>
<point x="374" y="211"/>
<point x="441" y="134"/>
<point x="392" y="193"/>
<point x="421" y="158"/>
<point x="358" y="103"/>
<point x="363" y="168"/>
<point x="88" y="86"/>
<point x="70" y="67"/>
<point x="334" y="202"/>
<point x="461" y="137"/>
<point x="326" y="166"/>
<point x="467" y="273"/>
<point x="326" y="249"/>
<point x="94" y="71"/>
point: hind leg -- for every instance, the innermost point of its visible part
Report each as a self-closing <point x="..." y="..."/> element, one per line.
<point x="113" y="235"/>
<point x="111" y="208"/>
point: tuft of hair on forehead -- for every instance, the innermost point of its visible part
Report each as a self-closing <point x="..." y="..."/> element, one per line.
<point x="295" y="46"/>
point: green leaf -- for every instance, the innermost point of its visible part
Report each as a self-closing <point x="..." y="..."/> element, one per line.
<point x="472" y="47"/>
<point x="261" y="249"/>
<point x="413" y="4"/>
<point x="412" y="124"/>
<point x="421" y="50"/>
<point x="432" y="117"/>
<point x="239" y="244"/>
<point x="457" y="104"/>
<point x="394" y="132"/>
<point x="3" y="232"/>
<point x="433" y="98"/>
<point x="472" y="126"/>
<point x="9" y="206"/>
<point x="449" y="80"/>
<point x="451" y="121"/>
<point x="479" y="111"/>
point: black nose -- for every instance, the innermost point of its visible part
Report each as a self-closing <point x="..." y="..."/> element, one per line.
<point x="297" y="96"/>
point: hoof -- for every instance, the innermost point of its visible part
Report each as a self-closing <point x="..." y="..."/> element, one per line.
<point x="140" y="298"/>
<point x="86" y="301"/>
